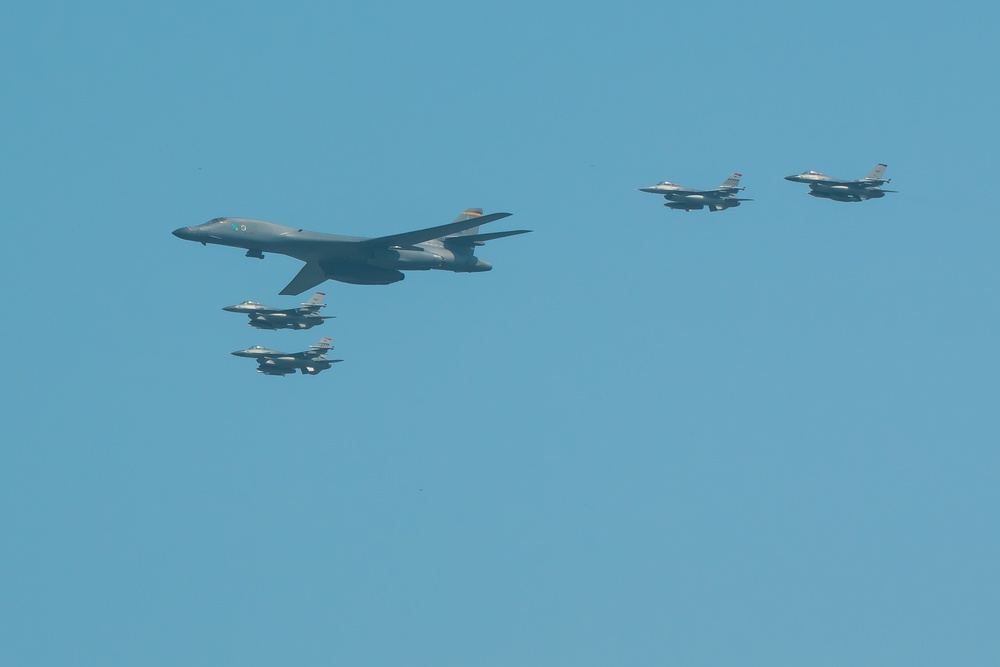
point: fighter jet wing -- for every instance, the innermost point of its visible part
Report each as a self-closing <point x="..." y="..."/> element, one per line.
<point x="421" y="235"/>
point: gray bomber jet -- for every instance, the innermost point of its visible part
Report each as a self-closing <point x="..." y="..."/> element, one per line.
<point x="305" y="316"/>
<point x="686" y="199"/>
<point x="271" y="362"/>
<point x="357" y="260"/>
<point x="828" y="187"/>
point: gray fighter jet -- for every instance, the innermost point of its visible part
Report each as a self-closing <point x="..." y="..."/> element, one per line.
<point x="357" y="260"/>
<point x="271" y="362"/>
<point x="305" y="316"/>
<point x="827" y="187"/>
<point x="685" y="199"/>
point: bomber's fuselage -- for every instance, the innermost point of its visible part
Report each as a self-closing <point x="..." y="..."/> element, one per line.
<point x="346" y="258"/>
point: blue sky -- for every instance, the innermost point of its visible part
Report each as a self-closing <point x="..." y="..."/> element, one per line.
<point x="766" y="436"/>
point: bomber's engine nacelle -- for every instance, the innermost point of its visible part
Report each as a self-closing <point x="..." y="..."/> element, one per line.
<point x="400" y="258"/>
<point x="469" y="264"/>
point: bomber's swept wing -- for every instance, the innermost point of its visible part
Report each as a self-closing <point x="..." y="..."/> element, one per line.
<point x="431" y="233"/>
<point x="309" y="276"/>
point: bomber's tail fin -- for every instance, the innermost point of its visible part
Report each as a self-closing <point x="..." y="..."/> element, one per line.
<point x="876" y="173"/>
<point x="732" y="183"/>
<point x="468" y="214"/>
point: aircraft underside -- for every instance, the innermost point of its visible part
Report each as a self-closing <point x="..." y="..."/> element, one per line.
<point x="713" y="205"/>
<point x="845" y="194"/>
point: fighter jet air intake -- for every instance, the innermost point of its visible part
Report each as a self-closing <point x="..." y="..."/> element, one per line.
<point x="828" y="187"/>
<point x="686" y="199"/>
<point x="357" y="260"/>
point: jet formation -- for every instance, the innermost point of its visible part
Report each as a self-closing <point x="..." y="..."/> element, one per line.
<point x="687" y="199"/>
<point x="310" y="362"/>
<point x="349" y="259"/>
<point x="357" y="260"/>
<point x="305" y="316"/>
<point x="820" y="185"/>
<point x="381" y="260"/>
<point x="828" y="187"/>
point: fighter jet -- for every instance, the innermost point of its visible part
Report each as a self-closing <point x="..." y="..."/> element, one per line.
<point x="827" y="187"/>
<point x="685" y="199"/>
<point x="305" y="316"/>
<point x="272" y="362"/>
<point x="357" y="260"/>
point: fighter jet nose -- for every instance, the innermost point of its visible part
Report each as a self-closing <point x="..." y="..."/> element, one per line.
<point x="792" y="177"/>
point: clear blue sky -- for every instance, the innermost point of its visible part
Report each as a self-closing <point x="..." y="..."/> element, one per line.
<point x="767" y="436"/>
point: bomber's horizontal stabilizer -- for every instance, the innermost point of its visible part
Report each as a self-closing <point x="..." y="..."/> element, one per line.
<point x="471" y="239"/>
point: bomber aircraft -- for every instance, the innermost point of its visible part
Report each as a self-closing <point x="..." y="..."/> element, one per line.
<point x="686" y="199"/>
<point x="305" y="316"/>
<point x="828" y="187"/>
<point x="357" y="260"/>
<point x="272" y="362"/>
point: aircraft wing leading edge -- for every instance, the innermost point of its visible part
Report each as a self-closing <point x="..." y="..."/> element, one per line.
<point x="309" y="276"/>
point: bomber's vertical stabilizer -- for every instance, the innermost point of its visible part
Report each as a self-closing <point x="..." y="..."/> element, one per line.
<point x="468" y="214"/>
<point x="876" y="173"/>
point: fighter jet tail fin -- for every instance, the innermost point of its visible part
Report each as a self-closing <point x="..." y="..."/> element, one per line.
<point x="320" y="349"/>
<point x="732" y="183"/>
<point x="315" y="300"/>
<point x="876" y="173"/>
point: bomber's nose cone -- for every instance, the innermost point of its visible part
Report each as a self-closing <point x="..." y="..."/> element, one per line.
<point x="186" y="233"/>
